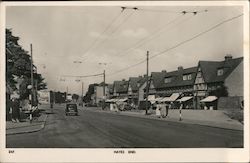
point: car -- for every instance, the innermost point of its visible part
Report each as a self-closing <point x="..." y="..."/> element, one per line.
<point x="71" y="108"/>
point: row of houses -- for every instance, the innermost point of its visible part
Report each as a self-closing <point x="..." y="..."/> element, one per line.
<point x="207" y="82"/>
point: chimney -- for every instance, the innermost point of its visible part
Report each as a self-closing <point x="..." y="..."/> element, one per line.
<point x="164" y="71"/>
<point x="145" y="76"/>
<point x="123" y="79"/>
<point x="180" y="68"/>
<point x="228" y="57"/>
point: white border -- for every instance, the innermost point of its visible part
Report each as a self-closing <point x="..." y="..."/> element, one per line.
<point x="142" y="154"/>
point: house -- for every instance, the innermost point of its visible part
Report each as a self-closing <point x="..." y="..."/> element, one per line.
<point x="120" y="88"/>
<point x="170" y="85"/>
<point x="133" y="88"/>
<point x="215" y="75"/>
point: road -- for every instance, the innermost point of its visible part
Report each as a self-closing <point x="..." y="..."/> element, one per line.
<point x="94" y="129"/>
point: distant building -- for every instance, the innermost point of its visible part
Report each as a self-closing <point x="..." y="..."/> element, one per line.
<point x="134" y="88"/>
<point x="120" y="88"/>
<point x="98" y="95"/>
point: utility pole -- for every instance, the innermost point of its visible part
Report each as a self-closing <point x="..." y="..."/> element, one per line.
<point x="146" y="111"/>
<point x="104" y="93"/>
<point x="82" y="89"/>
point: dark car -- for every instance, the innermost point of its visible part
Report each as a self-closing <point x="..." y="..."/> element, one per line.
<point x="71" y="108"/>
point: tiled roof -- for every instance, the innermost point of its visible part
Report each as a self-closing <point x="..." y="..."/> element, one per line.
<point x="176" y="78"/>
<point x="209" y="69"/>
<point x="158" y="79"/>
<point x="121" y="86"/>
<point x="133" y="81"/>
<point x="136" y="82"/>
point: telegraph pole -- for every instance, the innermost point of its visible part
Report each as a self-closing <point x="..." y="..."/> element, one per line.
<point x="82" y="89"/>
<point x="146" y="112"/>
<point x="104" y="93"/>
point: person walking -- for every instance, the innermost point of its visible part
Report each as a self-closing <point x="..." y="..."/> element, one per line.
<point x="158" y="110"/>
<point x="15" y="110"/>
<point x="163" y="110"/>
<point x="167" y="107"/>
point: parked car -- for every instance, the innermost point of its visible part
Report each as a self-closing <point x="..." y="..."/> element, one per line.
<point x="71" y="108"/>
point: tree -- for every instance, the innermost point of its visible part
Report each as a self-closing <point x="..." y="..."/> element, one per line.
<point x="18" y="67"/>
<point x="91" y="89"/>
<point x="220" y="91"/>
<point x="75" y="96"/>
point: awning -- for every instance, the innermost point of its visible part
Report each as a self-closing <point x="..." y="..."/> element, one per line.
<point x="122" y="100"/>
<point x="164" y="99"/>
<point x="172" y="98"/>
<point x="151" y="98"/>
<point x="159" y="99"/>
<point x="209" y="99"/>
<point x="183" y="99"/>
<point x="110" y="100"/>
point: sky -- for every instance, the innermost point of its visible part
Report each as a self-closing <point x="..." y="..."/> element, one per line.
<point x="85" y="40"/>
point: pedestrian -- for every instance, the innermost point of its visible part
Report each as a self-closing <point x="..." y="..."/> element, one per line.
<point x="158" y="110"/>
<point x="163" y="110"/>
<point x="167" y="107"/>
<point x="181" y="105"/>
<point x="111" y="106"/>
<point x="15" y="110"/>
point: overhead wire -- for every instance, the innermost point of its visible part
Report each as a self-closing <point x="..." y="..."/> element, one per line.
<point x="82" y="76"/>
<point x="104" y="31"/>
<point x="170" y="11"/>
<point x="197" y="35"/>
<point x="160" y="30"/>
<point x="179" y="44"/>
<point x="151" y="37"/>
<point x="117" y="27"/>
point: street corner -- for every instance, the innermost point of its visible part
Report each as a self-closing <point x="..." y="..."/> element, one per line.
<point x="25" y="126"/>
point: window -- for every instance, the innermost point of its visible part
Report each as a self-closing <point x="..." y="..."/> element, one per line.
<point x="184" y="77"/>
<point x="199" y="75"/>
<point x="219" y="72"/>
<point x="167" y="80"/>
<point x="187" y="77"/>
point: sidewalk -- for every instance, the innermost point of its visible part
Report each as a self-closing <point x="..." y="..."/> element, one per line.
<point x="26" y="127"/>
<point x="212" y="118"/>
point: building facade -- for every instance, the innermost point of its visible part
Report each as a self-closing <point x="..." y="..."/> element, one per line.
<point x="214" y="75"/>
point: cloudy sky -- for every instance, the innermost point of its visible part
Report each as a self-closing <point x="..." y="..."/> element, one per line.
<point x="93" y="35"/>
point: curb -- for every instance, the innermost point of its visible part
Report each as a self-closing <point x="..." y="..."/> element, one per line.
<point x="31" y="131"/>
<point x="155" y="118"/>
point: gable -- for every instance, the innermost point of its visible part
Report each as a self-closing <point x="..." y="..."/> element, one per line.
<point x="210" y="69"/>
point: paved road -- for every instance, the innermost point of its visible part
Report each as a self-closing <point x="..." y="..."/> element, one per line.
<point x="93" y="129"/>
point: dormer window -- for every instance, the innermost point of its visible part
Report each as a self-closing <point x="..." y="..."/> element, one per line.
<point x="220" y="72"/>
<point x="167" y="80"/>
<point x="187" y="77"/>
